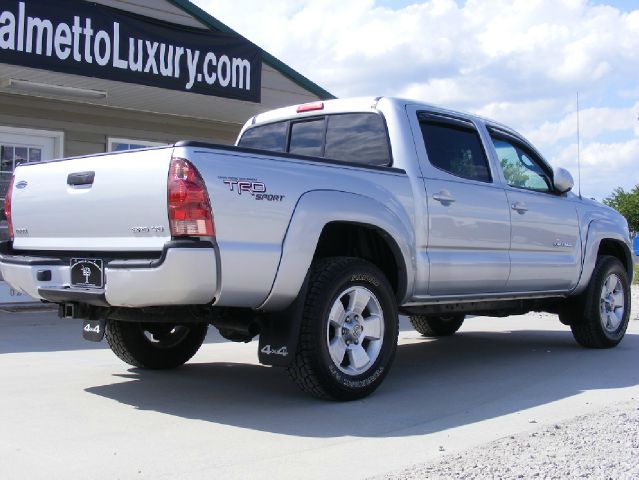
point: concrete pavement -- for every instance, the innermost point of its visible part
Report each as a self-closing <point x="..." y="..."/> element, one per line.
<point x="70" y="409"/>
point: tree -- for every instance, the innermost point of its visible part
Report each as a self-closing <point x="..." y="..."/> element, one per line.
<point x="515" y="173"/>
<point x="626" y="203"/>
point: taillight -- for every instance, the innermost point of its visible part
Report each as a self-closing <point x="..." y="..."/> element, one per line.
<point x="189" y="207"/>
<point x="7" y="208"/>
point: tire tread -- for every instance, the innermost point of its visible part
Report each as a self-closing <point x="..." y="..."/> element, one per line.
<point x="433" y="326"/>
<point x="125" y="341"/>
<point x="115" y="339"/>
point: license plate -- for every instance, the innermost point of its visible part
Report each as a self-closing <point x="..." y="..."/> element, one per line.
<point x="87" y="273"/>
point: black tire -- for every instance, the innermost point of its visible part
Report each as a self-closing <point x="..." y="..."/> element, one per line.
<point x="590" y="324"/>
<point x="156" y="346"/>
<point x="437" y="325"/>
<point x="349" y="282"/>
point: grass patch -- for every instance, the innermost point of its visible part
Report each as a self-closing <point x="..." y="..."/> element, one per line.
<point x="635" y="279"/>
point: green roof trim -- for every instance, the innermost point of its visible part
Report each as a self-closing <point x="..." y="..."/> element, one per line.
<point x="280" y="66"/>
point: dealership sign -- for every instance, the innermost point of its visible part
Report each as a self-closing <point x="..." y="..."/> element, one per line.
<point x="92" y="40"/>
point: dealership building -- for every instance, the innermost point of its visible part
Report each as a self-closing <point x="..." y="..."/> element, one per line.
<point x="79" y="77"/>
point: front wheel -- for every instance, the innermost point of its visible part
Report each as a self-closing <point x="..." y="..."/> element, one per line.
<point x="606" y="311"/>
<point x="156" y="346"/>
<point x="349" y="330"/>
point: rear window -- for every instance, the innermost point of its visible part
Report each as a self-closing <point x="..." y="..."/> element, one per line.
<point x="352" y="137"/>
<point x="357" y="138"/>
<point x="267" y="137"/>
<point x="307" y="138"/>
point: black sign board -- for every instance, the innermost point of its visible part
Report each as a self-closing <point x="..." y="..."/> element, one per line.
<point x="82" y="38"/>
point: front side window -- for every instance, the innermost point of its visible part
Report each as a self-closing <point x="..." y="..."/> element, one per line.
<point x="521" y="168"/>
<point x="455" y="149"/>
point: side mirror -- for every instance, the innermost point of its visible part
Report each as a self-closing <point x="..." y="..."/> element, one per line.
<point x="562" y="180"/>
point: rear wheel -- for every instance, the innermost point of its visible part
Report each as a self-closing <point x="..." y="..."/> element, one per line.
<point x="155" y="345"/>
<point x="349" y="330"/>
<point x="437" y="325"/>
<point x="603" y="319"/>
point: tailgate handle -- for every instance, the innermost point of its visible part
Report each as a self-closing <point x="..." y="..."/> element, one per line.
<point x="80" y="178"/>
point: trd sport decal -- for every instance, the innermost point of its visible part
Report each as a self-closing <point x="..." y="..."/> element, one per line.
<point x="251" y="186"/>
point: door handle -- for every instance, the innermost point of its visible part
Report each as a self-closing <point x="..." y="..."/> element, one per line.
<point x="444" y="197"/>
<point x="519" y="207"/>
<point x="80" y="178"/>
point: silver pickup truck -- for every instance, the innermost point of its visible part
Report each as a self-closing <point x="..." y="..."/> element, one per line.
<point x="315" y="231"/>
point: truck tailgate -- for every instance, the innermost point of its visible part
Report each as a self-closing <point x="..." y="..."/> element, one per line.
<point x="112" y="202"/>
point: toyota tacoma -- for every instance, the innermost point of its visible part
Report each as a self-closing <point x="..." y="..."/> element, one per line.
<point x="314" y="232"/>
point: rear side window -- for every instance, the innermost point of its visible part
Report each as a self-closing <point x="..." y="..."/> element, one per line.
<point x="266" y="137"/>
<point x="357" y="138"/>
<point x="456" y="149"/>
<point x="352" y="137"/>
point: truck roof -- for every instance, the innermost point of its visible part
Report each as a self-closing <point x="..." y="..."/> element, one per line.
<point x="370" y="104"/>
<point x="359" y="104"/>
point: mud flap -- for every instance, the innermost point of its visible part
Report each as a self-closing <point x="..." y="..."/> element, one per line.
<point x="93" y="330"/>
<point x="279" y="333"/>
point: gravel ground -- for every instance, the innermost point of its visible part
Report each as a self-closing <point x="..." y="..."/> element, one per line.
<point x="602" y="445"/>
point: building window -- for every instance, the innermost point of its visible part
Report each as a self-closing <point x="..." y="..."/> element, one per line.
<point x="121" y="144"/>
<point x="24" y="145"/>
<point x="14" y="155"/>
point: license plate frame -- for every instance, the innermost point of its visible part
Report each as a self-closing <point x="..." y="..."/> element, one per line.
<point x="87" y="273"/>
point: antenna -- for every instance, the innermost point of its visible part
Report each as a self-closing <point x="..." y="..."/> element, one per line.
<point x="578" y="151"/>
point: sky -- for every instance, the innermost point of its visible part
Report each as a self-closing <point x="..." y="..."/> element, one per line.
<point x="520" y="62"/>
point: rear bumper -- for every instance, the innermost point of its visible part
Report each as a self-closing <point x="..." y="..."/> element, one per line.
<point x="187" y="273"/>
